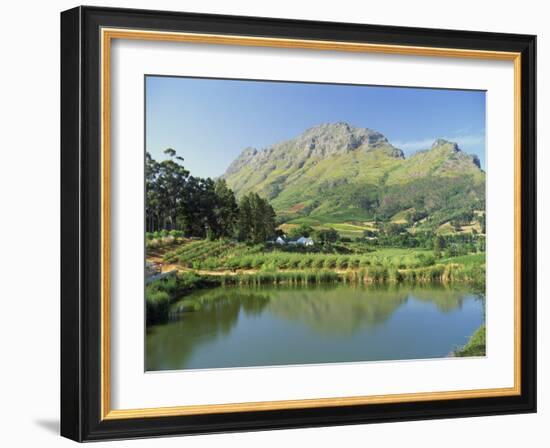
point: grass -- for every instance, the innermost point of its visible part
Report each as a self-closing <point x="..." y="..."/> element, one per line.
<point x="287" y="277"/>
<point x="475" y="346"/>
<point x="216" y="263"/>
<point x="225" y="255"/>
<point x="160" y="294"/>
<point x="349" y="226"/>
<point x="467" y="260"/>
<point x="399" y="264"/>
<point x="284" y="260"/>
<point x="226" y="262"/>
<point x="157" y="306"/>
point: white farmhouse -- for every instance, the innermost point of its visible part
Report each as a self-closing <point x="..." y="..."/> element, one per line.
<point x="304" y="241"/>
<point x="280" y="240"/>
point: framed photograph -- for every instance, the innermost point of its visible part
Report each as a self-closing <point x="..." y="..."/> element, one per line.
<point x="273" y="223"/>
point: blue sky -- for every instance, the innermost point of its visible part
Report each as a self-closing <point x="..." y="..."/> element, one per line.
<point x="209" y="122"/>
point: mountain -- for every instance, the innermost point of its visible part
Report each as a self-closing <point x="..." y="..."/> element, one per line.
<point x="338" y="172"/>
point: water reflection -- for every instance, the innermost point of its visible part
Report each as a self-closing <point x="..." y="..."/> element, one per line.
<point x="333" y="312"/>
<point x="249" y="326"/>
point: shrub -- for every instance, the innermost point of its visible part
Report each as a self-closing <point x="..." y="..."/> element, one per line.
<point x="377" y="274"/>
<point x="157" y="305"/>
<point x="318" y="262"/>
<point x="343" y="262"/>
<point x="256" y="262"/>
<point x="475" y="345"/>
<point x="294" y="262"/>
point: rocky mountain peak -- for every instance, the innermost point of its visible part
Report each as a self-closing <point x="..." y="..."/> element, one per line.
<point x="341" y="137"/>
<point x="249" y="151"/>
<point x="319" y="142"/>
<point x="343" y="169"/>
<point x="245" y="157"/>
<point x="446" y="144"/>
<point x="452" y="153"/>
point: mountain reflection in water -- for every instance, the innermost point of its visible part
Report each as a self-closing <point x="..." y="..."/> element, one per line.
<point x="261" y="326"/>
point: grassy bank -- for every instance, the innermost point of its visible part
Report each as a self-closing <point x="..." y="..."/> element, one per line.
<point x="475" y="345"/>
<point x="223" y="255"/>
<point x="160" y="294"/>
<point x="444" y="274"/>
<point x="224" y="262"/>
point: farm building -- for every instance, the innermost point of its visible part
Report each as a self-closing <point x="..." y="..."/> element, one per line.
<point x="304" y="241"/>
<point x="280" y="240"/>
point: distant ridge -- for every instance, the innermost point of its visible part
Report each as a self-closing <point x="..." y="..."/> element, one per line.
<point x="341" y="171"/>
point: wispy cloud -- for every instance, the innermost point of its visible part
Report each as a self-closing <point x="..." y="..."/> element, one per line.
<point x="413" y="145"/>
<point x="464" y="141"/>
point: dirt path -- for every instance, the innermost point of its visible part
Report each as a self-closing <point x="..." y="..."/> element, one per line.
<point x="165" y="267"/>
<point x="156" y="259"/>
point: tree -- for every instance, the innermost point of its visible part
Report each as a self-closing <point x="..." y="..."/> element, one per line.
<point x="326" y="235"/>
<point x="200" y="207"/>
<point x="481" y="244"/>
<point x="367" y="233"/>
<point x="301" y="230"/>
<point x="452" y="250"/>
<point x="392" y="229"/>
<point x="256" y="222"/>
<point x="439" y="244"/>
<point x="244" y="222"/>
<point x="170" y="185"/>
<point x="175" y="200"/>
<point x="482" y="222"/>
<point x="268" y="220"/>
<point x="226" y="210"/>
<point x="152" y="199"/>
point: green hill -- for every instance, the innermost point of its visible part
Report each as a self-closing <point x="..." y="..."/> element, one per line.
<point x="339" y="173"/>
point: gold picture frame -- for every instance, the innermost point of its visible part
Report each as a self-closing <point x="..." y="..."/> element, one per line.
<point x="106" y="31"/>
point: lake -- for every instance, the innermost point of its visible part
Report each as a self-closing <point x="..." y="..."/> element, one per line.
<point x="282" y="325"/>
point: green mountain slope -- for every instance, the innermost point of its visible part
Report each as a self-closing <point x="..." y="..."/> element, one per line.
<point x="337" y="173"/>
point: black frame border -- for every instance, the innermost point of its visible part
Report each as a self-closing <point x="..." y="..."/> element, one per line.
<point x="81" y="223"/>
